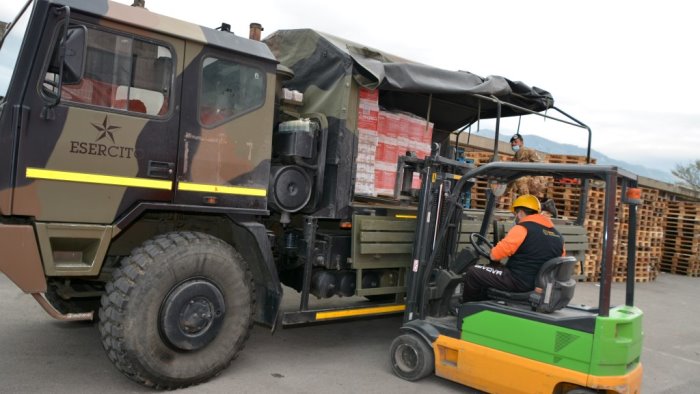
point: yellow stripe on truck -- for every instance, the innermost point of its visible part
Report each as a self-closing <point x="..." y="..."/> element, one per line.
<point x="98" y="179"/>
<point x="242" y="191"/>
<point x="359" y="312"/>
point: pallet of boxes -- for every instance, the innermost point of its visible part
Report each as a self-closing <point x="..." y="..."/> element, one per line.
<point x="383" y="136"/>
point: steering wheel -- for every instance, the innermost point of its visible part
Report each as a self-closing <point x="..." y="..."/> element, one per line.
<point x="477" y="240"/>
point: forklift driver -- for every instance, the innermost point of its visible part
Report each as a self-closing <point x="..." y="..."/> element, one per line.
<point x="528" y="245"/>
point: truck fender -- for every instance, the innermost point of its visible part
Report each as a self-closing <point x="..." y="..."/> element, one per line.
<point x="252" y="242"/>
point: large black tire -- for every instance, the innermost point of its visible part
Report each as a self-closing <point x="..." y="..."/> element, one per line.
<point x="412" y="358"/>
<point x="141" y="318"/>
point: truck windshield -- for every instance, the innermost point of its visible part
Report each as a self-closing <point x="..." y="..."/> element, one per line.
<point x="9" y="51"/>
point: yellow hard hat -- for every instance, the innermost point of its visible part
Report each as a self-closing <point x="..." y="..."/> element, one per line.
<point x="526" y="201"/>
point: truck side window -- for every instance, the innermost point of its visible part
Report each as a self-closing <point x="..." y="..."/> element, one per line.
<point x="123" y="73"/>
<point x="229" y="89"/>
<point x="11" y="44"/>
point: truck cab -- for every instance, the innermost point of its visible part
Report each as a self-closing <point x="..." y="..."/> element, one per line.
<point x="111" y="111"/>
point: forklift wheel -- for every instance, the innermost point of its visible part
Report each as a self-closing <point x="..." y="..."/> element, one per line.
<point x="411" y="357"/>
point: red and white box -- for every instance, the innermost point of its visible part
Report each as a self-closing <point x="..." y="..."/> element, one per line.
<point x="368" y="109"/>
<point x="365" y="162"/>
<point x="367" y="116"/>
<point x="369" y="95"/>
<point x="388" y="125"/>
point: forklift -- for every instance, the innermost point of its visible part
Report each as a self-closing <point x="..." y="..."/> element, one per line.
<point x="532" y="342"/>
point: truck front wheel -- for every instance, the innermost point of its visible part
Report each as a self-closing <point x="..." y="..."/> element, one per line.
<point x="178" y="310"/>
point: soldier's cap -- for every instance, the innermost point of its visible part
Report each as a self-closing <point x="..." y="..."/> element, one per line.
<point x="516" y="136"/>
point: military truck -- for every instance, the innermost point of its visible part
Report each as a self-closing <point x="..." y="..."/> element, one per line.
<point x="173" y="177"/>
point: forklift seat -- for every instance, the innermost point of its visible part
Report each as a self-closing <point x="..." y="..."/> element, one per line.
<point x="554" y="287"/>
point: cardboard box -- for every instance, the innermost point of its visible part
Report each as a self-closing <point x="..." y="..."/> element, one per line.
<point x="367" y="116"/>
<point x="369" y="95"/>
<point x="384" y="182"/>
<point x="368" y="109"/>
<point x="365" y="162"/>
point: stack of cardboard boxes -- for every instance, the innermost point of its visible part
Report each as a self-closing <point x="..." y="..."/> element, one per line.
<point x="383" y="137"/>
<point x="368" y="138"/>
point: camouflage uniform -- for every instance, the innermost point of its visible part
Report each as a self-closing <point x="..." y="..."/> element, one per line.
<point x="534" y="185"/>
<point x="527" y="154"/>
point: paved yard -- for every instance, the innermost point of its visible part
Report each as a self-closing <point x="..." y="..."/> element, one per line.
<point x="38" y="354"/>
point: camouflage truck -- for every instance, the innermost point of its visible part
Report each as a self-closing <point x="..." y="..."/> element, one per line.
<point x="168" y="176"/>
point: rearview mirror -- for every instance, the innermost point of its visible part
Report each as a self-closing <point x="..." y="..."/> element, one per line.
<point x="66" y="65"/>
<point x="74" y="55"/>
<point x="497" y="188"/>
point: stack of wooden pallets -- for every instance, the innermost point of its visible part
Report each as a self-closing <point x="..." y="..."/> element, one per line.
<point x="566" y="159"/>
<point x="650" y="234"/>
<point x="668" y="232"/>
<point x="594" y="228"/>
<point x="681" y="253"/>
<point x="478" y="196"/>
<point x="565" y="192"/>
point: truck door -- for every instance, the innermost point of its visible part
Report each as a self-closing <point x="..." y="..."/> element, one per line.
<point x="111" y="142"/>
<point x="226" y="131"/>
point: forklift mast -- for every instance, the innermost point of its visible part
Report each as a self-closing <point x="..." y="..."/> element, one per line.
<point x="439" y="213"/>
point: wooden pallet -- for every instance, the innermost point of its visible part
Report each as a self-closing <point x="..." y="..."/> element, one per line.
<point x="679" y="262"/>
<point x="681" y="245"/>
<point x="566" y="159"/>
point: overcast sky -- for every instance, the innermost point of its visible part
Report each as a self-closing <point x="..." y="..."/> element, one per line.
<point x="628" y="69"/>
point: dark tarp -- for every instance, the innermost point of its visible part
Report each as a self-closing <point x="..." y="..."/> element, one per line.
<point x="405" y="85"/>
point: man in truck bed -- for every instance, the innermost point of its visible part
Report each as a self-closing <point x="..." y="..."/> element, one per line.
<point x="534" y="185"/>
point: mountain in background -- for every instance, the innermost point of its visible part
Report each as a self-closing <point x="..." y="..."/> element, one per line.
<point x="545" y="145"/>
